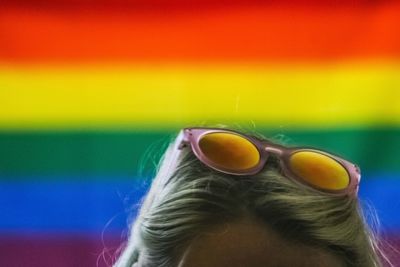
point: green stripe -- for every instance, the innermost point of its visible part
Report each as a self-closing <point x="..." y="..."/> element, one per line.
<point x="120" y="152"/>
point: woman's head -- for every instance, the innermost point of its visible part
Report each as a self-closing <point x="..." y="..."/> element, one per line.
<point x="194" y="216"/>
<point x="248" y="241"/>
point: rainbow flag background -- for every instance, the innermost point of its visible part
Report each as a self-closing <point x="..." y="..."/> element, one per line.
<point x="90" y="89"/>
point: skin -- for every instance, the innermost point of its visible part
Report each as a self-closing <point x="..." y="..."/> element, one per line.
<point x="249" y="243"/>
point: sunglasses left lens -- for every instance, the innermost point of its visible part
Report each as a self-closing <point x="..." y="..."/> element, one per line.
<point x="229" y="151"/>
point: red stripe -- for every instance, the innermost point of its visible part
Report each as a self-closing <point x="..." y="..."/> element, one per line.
<point x="258" y="33"/>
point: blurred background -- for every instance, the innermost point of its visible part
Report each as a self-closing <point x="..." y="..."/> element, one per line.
<point x="92" y="91"/>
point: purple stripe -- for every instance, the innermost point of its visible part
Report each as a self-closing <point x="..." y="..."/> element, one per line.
<point x="67" y="251"/>
<point x="58" y="251"/>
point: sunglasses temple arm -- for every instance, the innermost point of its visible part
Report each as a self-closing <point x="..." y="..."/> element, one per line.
<point x="182" y="140"/>
<point x="357" y="185"/>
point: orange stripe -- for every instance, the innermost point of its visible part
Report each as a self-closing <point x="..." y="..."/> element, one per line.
<point x="174" y="4"/>
<point x="258" y="33"/>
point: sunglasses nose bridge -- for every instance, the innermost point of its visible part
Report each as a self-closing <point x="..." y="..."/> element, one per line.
<point x="274" y="150"/>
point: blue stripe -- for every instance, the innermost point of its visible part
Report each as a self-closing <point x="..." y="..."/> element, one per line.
<point x="69" y="205"/>
<point x="102" y="204"/>
<point x="382" y="194"/>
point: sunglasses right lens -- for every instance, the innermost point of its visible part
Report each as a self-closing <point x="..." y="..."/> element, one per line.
<point x="229" y="151"/>
<point x="319" y="170"/>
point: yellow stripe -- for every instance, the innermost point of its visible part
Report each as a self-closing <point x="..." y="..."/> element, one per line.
<point x="95" y="96"/>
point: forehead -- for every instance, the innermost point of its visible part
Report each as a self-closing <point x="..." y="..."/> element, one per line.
<point x="251" y="244"/>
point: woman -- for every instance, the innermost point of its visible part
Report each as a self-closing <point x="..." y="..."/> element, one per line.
<point x="225" y="198"/>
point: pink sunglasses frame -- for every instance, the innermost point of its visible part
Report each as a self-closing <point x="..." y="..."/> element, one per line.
<point x="192" y="135"/>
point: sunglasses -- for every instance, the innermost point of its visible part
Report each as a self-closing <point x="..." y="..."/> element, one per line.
<point x="235" y="153"/>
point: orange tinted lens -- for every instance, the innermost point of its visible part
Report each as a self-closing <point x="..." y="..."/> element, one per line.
<point x="319" y="170"/>
<point x="229" y="151"/>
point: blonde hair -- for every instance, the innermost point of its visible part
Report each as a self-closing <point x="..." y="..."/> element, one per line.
<point x="186" y="198"/>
